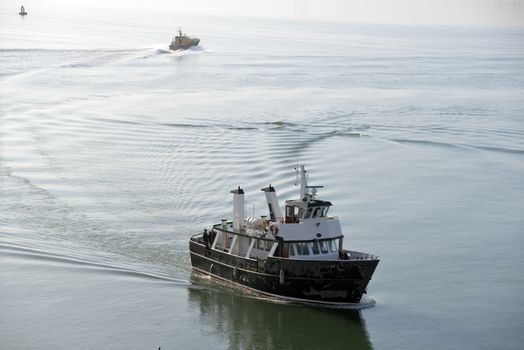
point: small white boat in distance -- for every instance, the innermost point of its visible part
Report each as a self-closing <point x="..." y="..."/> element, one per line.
<point x="22" y="11"/>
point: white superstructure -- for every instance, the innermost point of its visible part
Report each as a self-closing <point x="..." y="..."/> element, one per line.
<point x="304" y="223"/>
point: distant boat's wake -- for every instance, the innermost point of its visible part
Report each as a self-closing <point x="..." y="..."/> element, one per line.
<point x="194" y="50"/>
<point x="148" y="53"/>
<point x="157" y="51"/>
<point x="28" y="60"/>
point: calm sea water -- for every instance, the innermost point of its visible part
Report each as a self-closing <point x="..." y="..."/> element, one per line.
<point x="113" y="151"/>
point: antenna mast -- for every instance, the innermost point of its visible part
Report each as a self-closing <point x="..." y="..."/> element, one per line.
<point x="298" y="151"/>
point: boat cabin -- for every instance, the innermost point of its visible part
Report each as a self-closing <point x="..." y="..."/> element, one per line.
<point x="303" y="232"/>
<point x="298" y="210"/>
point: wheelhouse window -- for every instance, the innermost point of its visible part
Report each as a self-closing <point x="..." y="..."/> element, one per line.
<point x="323" y="211"/>
<point x="317" y="247"/>
<point x="316" y="212"/>
<point x="329" y="246"/>
<point x="314" y="247"/>
<point x="333" y="245"/>
<point x="323" y="247"/>
<point x="292" y="214"/>
<point x="302" y="248"/>
<point x="308" y="213"/>
<point x="301" y="212"/>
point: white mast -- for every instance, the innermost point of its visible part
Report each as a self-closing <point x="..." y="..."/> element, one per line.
<point x="303" y="183"/>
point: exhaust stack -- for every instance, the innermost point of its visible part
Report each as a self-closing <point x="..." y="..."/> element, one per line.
<point x="272" y="202"/>
<point x="238" y="209"/>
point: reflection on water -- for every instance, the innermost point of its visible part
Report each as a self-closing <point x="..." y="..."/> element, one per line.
<point x="248" y="323"/>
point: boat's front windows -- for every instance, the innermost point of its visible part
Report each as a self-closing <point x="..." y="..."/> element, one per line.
<point x="328" y="246"/>
<point x="326" y="209"/>
<point x="314" y="247"/>
<point x="323" y="247"/>
<point x="332" y="245"/>
<point x="301" y="212"/>
<point x="308" y="213"/>
<point x="315" y="213"/>
<point x="302" y="248"/>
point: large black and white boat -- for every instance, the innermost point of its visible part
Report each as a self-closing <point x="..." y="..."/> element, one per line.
<point x="297" y="256"/>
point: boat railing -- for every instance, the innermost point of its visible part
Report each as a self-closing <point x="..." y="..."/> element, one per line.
<point x="257" y="262"/>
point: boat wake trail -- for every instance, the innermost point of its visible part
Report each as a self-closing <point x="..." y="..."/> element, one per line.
<point x="16" y="61"/>
<point x="56" y="253"/>
<point x="195" y="50"/>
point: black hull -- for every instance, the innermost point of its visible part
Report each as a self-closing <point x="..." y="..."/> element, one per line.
<point x="325" y="282"/>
